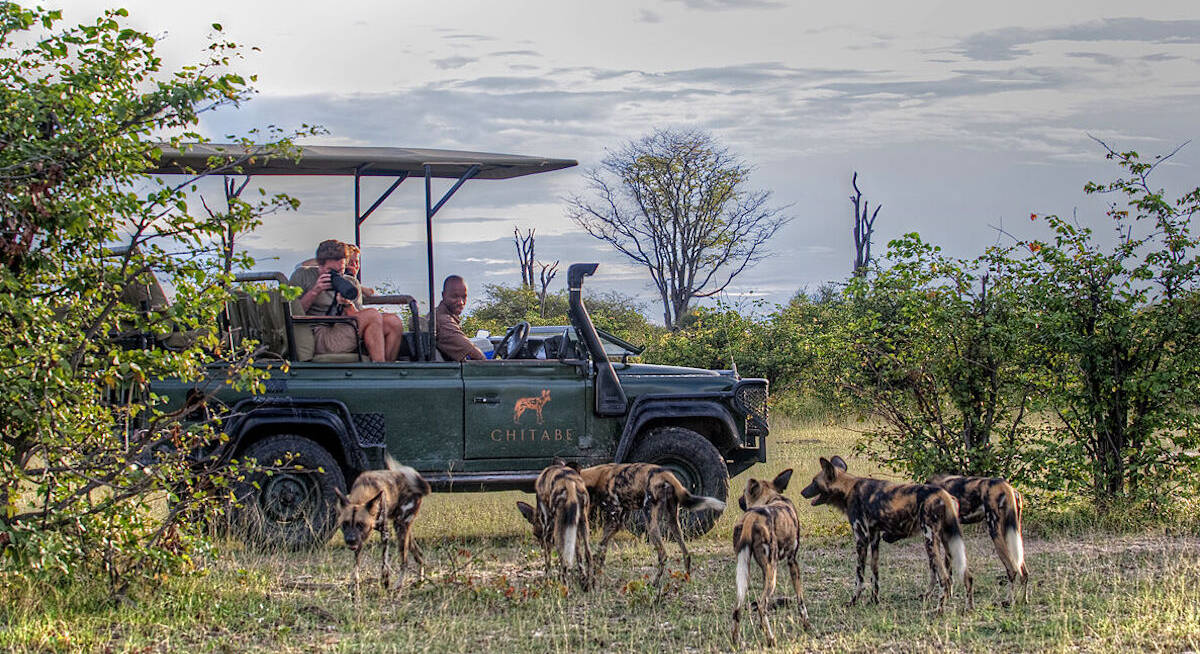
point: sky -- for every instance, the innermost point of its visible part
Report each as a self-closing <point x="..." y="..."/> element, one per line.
<point x="962" y="119"/>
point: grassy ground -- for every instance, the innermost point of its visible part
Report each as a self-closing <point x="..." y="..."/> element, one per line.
<point x="484" y="591"/>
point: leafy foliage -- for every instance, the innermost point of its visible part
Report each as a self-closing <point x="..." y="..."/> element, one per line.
<point x="87" y="453"/>
<point x="505" y="306"/>
<point x="1122" y="325"/>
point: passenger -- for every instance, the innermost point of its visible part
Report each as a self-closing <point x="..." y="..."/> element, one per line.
<point x="381" y="334"/>
<point x="451" y="340"/>
<point x="353" y="266"/>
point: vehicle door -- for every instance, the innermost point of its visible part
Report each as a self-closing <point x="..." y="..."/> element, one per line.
<point x="525" y="409"/>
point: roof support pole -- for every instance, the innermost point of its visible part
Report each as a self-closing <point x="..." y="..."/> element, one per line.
<point x="431" y="209"/>
<point x="357" y="203"/>
<point x="429" y="260"/>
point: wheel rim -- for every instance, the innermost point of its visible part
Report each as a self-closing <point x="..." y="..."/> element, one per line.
<point x="288" y="498"/>
<point x="686" y="473"/>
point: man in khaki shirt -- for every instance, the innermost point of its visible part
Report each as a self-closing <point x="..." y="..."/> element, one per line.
<point x="451" y="340"/>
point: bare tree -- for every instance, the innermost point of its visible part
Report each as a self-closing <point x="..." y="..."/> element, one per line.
<point x="233" y="191"/>
<point x="525" y="246"/>
<point x="677" y="202"/>
<point x="864" y="228"/>
<point x="549" y="270"/>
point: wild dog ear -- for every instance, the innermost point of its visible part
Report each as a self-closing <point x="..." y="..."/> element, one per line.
<point x="574" y="466"/>
<point x="526" y="511"/>
<point x="838" y="462"/>
<point x="342" y="499"/>
<point x="781" y="480"/>
<point x="827" y="469"/>
<point x="374" y="502"/>
<point x="752" y="488"/>
<point x="558" y="461"/>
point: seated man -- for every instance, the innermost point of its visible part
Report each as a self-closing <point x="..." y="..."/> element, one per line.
<point x="451" y="340"/>
<point x="382" y="334"/>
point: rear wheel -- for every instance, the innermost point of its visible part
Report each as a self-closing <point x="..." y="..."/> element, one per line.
<point x="695" y="462"/>
<point x="293" y="506"/>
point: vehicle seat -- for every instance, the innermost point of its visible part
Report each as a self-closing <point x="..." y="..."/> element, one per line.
<point x="268" y="324"/>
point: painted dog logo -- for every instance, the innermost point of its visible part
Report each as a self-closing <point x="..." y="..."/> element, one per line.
<point x="531" y="404"/>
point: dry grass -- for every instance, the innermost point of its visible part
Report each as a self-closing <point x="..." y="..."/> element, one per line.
<point x="485" y="591"/>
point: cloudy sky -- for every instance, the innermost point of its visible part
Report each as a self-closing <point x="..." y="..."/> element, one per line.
<point x="958" y="116"/>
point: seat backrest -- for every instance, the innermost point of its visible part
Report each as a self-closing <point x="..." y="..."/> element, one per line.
<point x="265" y="322"/>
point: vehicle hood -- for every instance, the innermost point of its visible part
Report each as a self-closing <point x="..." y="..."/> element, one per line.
<point x="646" y="369"/>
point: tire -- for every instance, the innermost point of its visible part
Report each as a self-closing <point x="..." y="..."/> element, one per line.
<point x="288" y="509"/>
<point x="696" y="463"/>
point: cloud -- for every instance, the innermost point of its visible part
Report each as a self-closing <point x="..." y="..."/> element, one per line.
<point x="1011" y="42"/>
<point x="1097" y="57"/>
<point x="727" y="5"/>
<point x="454" y="62"/>
<point x="516" y="53"/>
<point x="647" y="16"/>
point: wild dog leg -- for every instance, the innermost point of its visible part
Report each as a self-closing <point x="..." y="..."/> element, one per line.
<point x="385" y="573"/>
<point x="671" y="508"/>
<point x="403" y="541"/>
<point x="936" y="564"/>
<point x="418" y="557"/>
<point x="654" y="532"/>
<point x="357" y="566"/>
<point x="769" y="566"/>
<point x="583" y="552"/>
<point x="614" y="518"/>
<point x="1011" y="570"/>
<point x="861" y="544"/>
<point x="794" y="569"/>
<point x="874" y="545"/>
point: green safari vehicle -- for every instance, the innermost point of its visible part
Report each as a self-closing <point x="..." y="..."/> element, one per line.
<point x="569" y="392"/>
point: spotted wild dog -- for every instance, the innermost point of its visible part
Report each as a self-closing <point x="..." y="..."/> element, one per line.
<point x="560" y="519"/>
<point x="377" y="498"/>
<point x="531" y="404"/>
<point x="769" y="531"/>
<point x="997" y="501"/>
<point x="619" y="489"/>
<point x="882" y="509"/>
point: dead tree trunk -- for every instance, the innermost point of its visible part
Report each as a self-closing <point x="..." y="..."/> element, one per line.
<point x="864" y="228"/>
<point x="525" y="245"/>
<point x="549" y="270"/>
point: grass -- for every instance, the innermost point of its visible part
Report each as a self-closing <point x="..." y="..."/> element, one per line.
<point x="484" y="590"/>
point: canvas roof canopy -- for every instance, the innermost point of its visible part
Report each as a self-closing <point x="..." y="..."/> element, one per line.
<point x="349" y="160"/>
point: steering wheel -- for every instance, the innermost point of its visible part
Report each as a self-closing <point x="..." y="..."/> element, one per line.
<point x="514" y="339"/>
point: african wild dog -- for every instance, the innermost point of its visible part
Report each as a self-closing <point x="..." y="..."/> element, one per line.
<point x="997" y="501"/>
<point x="770" y="532"/>
<point x="618" y="489"/>
<point x="560" y="519"/>
<point x="377" y="497"/>
<point x="882" y="509"/>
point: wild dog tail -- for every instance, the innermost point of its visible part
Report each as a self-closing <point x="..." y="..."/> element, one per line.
<point x="743" y="574"/>
<point x="688" y="501"/>
<point x="567" y="523"/>
<point x="700" y="502"/>
<point x="1011" y="524"/>
<point x="415" y="481"/>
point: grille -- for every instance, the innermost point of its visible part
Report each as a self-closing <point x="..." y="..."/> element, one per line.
<point x="751" y="398"/>
<point x="371" y="428"/>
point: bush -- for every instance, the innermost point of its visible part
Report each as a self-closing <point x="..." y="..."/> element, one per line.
<point x="96" y="478"/>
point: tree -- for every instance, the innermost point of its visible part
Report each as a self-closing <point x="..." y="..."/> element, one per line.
<point x="1123" y="324"/>
<point x="864" y="229"/>
<point x="86" y="451"/>
<point x="677" y="202"/>
<point x="546" y="275"/>
<point x="937" y="351"/>
<point x="525" y="252"/>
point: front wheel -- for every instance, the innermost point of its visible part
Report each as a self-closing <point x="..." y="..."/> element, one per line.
<point x="294" y="505"/>
<point x="695" y="462"/>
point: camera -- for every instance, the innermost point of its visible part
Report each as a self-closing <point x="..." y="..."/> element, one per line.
<point x="342" y="286"/>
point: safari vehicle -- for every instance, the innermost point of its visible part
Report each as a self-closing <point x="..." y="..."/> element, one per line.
<point x="569" y="392"/>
